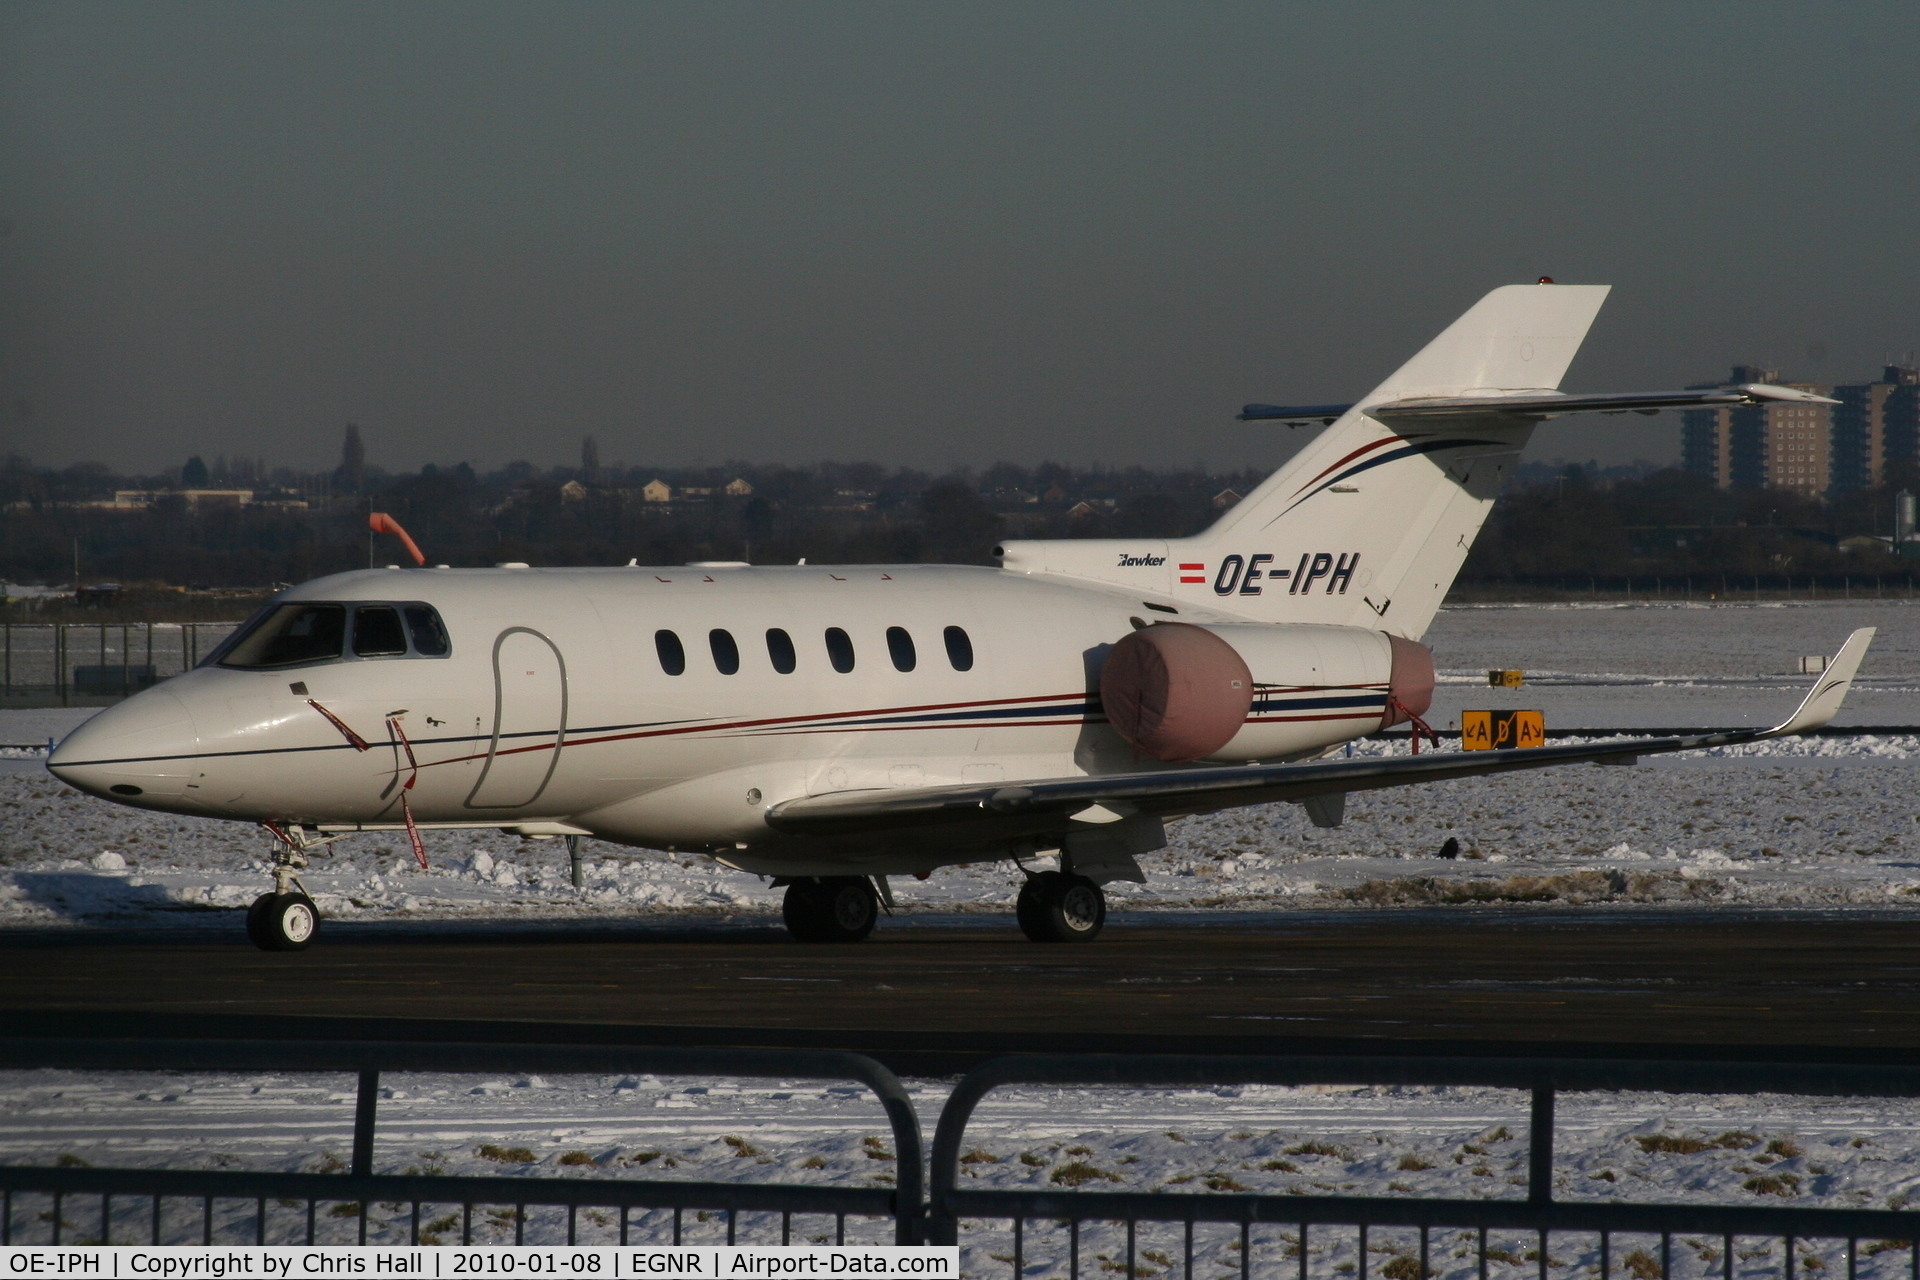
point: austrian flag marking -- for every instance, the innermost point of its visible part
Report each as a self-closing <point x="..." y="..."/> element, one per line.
<point x="1200" y="568"/>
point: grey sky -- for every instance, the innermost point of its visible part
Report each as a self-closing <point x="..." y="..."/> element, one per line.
<point x="916" y="233"/>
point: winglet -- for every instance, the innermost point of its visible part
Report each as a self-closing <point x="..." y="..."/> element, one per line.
<point x="1830" y="690"/>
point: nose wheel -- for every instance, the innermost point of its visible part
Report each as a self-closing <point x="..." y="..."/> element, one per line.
<point x="830" y="909"/>
<point x="286" y="919"/>
<point x="1055" y="906"/>
<point x="283" y="922"/>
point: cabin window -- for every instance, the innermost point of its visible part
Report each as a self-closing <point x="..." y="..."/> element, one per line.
<point x="726" y="654"/>
<point x="900" y="648"/>
<point x="377" y="633"/>
<point x="290" y="635"/>
<point x="673" y="658"/>
<point x="780" y="651"/>
<point x="429" y="634"/>
<point x="839" y="650"/>
<point x="959" y="649"/>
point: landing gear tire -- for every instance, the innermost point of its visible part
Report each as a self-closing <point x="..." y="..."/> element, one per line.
<point x="283" y="922"/>
<point x="1056" y="907"/>
<point x="256" y="929"/>
<point x="831" y="909"/>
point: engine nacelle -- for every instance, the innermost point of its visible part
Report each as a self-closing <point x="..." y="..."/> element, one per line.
<point x="1175" y="691"/>
<point x="1181" y="692"/>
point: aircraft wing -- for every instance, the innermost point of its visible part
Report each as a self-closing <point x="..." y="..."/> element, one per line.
<point x="1050" y="806"/>
<point x="1539" y="404"/>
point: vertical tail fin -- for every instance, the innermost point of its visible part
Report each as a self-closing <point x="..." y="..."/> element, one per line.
<point x="1368" y="524"/>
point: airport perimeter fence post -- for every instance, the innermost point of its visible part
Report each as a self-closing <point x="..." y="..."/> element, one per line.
<point x="365" y="1103"/>
<point x="1540" y="1146"/>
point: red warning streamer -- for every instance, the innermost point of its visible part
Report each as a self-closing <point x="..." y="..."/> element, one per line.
<point x="1418" y="725"/>
<point x="413" y="832"/>
<point x="406" y="810"/>
<point x="359" y="743"/>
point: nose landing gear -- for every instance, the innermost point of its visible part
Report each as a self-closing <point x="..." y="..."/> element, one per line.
<point x="283" y="922"/>
<point x="1057" y="906"/>
<point x="286" y="919"/>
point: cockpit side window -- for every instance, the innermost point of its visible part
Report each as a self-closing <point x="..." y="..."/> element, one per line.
<point x="429" y="633"/>
<point x="377" y="633"/>
<point x="291" y="635"/>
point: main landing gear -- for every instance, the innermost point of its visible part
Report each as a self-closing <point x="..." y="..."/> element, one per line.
<point x="830" y="909"/>
<point x="286" y="919"/>
<point x="1058" y="906"/>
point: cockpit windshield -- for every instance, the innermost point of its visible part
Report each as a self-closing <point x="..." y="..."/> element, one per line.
<point x="289" y="635"/>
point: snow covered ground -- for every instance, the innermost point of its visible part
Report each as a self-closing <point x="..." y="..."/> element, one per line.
<point x="1829" y="822"/>
<point x="1468" y="1143"/>
<point x="1675" y="664"/>
<point x="1824" y="821"/>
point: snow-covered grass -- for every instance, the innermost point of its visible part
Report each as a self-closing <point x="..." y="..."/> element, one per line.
<point x="1820" y="821"/>
<point x="1467" y="1143"/>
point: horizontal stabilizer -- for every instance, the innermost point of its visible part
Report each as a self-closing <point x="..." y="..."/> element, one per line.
<point x="1538" y="404"/>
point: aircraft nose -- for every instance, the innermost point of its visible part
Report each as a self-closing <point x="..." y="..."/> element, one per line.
<point x="144" y="746"/>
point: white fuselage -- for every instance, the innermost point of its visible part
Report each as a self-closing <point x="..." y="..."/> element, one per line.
<point x="552" y="712"/>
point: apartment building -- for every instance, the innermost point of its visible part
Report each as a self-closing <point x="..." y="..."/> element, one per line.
<point x="1875" y="423"/>
<point x="1812" y="449"/>
<point x="1785" y="446"/>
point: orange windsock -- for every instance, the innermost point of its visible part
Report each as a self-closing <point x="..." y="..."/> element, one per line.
<point x="381" y="522"/>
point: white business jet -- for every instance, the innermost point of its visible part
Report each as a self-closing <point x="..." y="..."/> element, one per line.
<point x="834" y="726"/>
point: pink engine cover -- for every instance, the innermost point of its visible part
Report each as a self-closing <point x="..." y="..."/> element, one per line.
<point x="1179" y="692"/>
<point x="1410" y="682"/>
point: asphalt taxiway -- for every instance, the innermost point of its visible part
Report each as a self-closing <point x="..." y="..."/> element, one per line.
<point x="958" y="987"/>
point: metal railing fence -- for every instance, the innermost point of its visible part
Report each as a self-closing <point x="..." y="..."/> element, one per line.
<point x="359" y="1187"/>
<point x="1061" y="1220"/>
<point x="80" y="663"/>
<point x="1538" y="1214"/>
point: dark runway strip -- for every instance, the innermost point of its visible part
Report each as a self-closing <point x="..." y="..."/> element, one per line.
<point x="937" y="994"/>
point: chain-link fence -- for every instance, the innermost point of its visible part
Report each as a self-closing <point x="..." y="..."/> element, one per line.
<point x="58" y="664"/>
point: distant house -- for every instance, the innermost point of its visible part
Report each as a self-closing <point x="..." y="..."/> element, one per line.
<point x="1055" y="494"/>
<point x="1079" y="509"/>
<point x="573" y="491"/>
<point x="738" y="488"/>
<point x="1225" y="498"/>
<point x="656" y="491"/>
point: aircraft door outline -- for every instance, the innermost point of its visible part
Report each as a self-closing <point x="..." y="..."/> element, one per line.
<point x="517" y="710"/>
